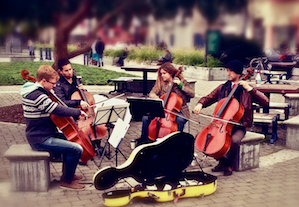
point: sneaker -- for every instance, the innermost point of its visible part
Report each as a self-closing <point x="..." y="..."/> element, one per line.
<point x="78" y="177"/>
<point x="228" y="171"/>
<point x="219" y="167"/>
<point x="72" y="186"/>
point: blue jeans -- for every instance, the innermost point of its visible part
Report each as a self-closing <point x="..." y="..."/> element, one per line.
<point x="100" y="57"/>
<point x="71" y="154"/>
<point x="146" y="120"/>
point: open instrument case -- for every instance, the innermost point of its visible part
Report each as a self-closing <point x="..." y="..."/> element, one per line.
<point x="159" y="167"/>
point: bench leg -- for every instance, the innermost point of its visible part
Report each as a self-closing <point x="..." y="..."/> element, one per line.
<point x="115" y="88"/>
<point x="274" y="130"/>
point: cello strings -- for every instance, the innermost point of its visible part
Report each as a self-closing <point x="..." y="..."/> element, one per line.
<point x="211" y="117"/>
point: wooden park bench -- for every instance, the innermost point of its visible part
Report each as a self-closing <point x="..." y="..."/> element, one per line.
<point x="29" y="169"/>
<point x="266" y="119"/>
<point x="121" y="84"/>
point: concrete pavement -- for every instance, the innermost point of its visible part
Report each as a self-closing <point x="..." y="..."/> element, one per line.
<point x="274" y="183"/>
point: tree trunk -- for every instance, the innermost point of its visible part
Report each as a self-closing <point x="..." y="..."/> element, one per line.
<point x="60" y="47"/>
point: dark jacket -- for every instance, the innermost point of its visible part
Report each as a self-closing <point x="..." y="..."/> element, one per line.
<point x="37" y="107"/>
<point x="100" y="47"/>
<point x="245" y="99"/>
<point x="166" y="58"/>
<point x="64" y="91"/>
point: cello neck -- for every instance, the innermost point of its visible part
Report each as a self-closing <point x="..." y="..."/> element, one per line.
<point x="52" y="93"/>
<point x="79" y="83"/>
<point x="228" y="99"/>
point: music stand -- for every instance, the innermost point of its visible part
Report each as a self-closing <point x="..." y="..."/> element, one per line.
<point x="140" y="107"/>
<point x="108" y="115"/>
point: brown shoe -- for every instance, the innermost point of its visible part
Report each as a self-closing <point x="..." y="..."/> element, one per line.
<point x="72" y="186"/>
<point x="78" y="177"/>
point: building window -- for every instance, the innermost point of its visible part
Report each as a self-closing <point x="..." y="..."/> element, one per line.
<point x="171" y="40"/>
<point x="198" y="40"/>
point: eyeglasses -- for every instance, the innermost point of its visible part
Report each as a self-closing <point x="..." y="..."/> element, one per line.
<point x="51" y="82"/>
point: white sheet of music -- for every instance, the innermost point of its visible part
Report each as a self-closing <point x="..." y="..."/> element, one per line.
<point x="118" y="132"/>
<point x="113" y="102"/>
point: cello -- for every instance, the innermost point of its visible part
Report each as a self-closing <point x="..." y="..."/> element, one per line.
<point x="215" y="139"/>
<point x="68" y="125"/>
<point x="94" y="132"/>
<point x="160" y="127"/>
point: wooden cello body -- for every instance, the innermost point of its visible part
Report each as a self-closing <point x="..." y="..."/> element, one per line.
<point x="86" y="125"/>
<point x="215" y="139"/>
<point x="68" y="126"/>
<point x="160" y="127"/>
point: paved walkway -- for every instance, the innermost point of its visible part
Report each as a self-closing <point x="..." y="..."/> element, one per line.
<point x="274" y="183"/>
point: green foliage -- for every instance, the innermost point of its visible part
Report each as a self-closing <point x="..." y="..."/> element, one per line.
<point x="193" y="57"/>
<point x="10" y="73"/>
<point x="146" y="53"/>
<point x="212" y="62"/>
<point x="190" y="57"/>
<point x="107" y="52"/>
<point x="116" y="53"/>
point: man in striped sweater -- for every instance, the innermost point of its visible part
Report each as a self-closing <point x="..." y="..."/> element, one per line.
<point x="42" y="133"/>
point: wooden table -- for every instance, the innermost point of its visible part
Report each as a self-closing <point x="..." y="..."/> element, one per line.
<point x="267" y="89"/>
<point x="145" y="70"/>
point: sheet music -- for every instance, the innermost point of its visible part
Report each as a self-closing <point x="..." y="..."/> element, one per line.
<point x="114" y="102"/>
<point x="118" y="132"/>
<point x="110" y="114"/>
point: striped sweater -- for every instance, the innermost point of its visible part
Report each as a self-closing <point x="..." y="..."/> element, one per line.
<point x="37" y="107"/>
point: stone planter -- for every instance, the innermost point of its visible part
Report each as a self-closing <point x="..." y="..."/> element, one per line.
<point x="292" y="139"/>
<point x="205" y="73"/>
<point x="110" y="60"/>
<point x="22" y="59"/>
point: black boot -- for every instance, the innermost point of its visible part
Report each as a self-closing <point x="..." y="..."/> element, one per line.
<point x="221" y="165"/>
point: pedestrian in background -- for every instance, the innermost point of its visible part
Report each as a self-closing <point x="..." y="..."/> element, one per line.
<point x="100" y="47"/>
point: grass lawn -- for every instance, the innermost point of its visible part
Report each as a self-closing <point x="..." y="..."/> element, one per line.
<point x="10" y="73"/>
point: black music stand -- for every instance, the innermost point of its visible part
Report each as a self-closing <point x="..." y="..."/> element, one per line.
<point x="108" y="115"/>
<point x="140" y="107"/>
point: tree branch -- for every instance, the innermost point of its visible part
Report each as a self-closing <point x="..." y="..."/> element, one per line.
<point x="122" y="6"/>
<point x="69" y="25"/>
<point x="93" y="34"/>
<point x="79" y="51"/>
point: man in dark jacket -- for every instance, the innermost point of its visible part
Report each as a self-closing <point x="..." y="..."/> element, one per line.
<point x="41" y="132"/>
<point x="246" y="95"/>
<point x="100" y="47"/>
<point x="67" y="84"/>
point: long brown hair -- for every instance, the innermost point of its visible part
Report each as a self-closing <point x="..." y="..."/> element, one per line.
<point x="168" y="67"/>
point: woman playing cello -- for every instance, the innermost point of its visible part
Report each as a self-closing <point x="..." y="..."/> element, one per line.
<point x="166" y="74"/>
<point x="245" y="95"/>
<point x="41" y="132"/>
